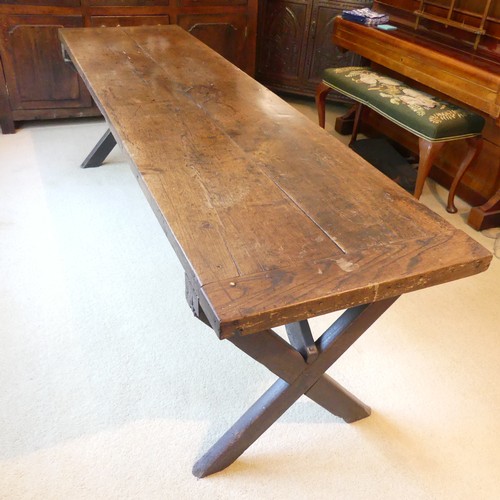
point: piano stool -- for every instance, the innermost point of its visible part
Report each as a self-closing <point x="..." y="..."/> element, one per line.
<point x="434" y="121"/>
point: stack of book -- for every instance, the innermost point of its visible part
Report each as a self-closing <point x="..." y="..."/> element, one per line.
<point x="365" y="16"/>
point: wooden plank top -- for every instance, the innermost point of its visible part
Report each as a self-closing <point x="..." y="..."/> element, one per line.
<point x="273" y="219"/>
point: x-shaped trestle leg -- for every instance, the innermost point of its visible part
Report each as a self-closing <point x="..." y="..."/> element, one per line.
<point x="101" y="150"/>
<point x="106" y="143"/>
<point x="297" y="377"/>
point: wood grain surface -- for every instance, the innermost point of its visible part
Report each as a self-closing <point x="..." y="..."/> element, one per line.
<point x="273" y="219"/>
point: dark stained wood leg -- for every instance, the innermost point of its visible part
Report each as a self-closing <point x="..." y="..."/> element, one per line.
<point x="283" y="360"/>
<point x="321" y="93"/>
<point x="300" y="336"/>
<point x="100" y="151"/>
<point x="7" y="125"/>
<point x="6" y="121"/>
<point x="487" y="215"/>
<point x="475" y="146"/>
<point x="334" y="398"/>
<point x="256" y="420"/>
<point x="428" y="151"/>
<point x="357" y="121"/>
<point x="262" y="414"/>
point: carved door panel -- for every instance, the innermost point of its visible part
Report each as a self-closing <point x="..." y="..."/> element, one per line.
<point x="225" y="33"/>
<point x="35" y="73"/>
<point x="282" y="41"/>
<point x="321" y="52"/>
<point x="295" y="43"/>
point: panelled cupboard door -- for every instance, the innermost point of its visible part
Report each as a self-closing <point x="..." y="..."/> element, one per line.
<point x="36" y="75"/>
<point x="321" y="52"/>
<point x="283" y="40"/>
<point x="227" y="34"/>
<point x="295" y="43"/>
<point x="113" y="21"/>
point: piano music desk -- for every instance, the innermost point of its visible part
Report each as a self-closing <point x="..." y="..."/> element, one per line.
<point x="263" y="210"/>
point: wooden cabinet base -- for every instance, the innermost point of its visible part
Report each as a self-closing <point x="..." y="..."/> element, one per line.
<point x="487" y="215"/>
<point x="35" y="83"/>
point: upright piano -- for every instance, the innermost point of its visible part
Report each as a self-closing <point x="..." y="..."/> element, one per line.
<point x="450" y="48"/>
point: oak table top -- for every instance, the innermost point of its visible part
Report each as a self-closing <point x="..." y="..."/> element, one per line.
<point x="273" y="219"/>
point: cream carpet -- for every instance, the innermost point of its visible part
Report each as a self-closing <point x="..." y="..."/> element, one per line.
<point x="110" y="389"/>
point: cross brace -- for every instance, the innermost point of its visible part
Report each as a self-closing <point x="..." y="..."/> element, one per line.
<point x="299" y="374"/>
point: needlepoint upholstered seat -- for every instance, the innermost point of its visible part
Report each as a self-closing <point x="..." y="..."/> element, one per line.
<point x="434" y="121"/>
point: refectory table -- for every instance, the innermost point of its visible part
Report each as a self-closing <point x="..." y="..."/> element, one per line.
<point x="273" y="219"/>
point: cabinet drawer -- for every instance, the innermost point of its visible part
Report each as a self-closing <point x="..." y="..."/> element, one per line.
<point x="55" y="3"/>
<point x="113" y="21"/>
<point x="203" y="3"/>
<point x="127" y="3"/>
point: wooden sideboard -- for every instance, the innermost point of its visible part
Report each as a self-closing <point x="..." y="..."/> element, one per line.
<point x="35" y="83"/>
<point x="294" y="43"/>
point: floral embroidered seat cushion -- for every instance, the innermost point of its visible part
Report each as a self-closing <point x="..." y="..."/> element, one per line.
<point x="422" y="114"/>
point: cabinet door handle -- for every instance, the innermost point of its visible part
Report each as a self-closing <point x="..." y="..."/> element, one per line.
<point x="313" y="29"/>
